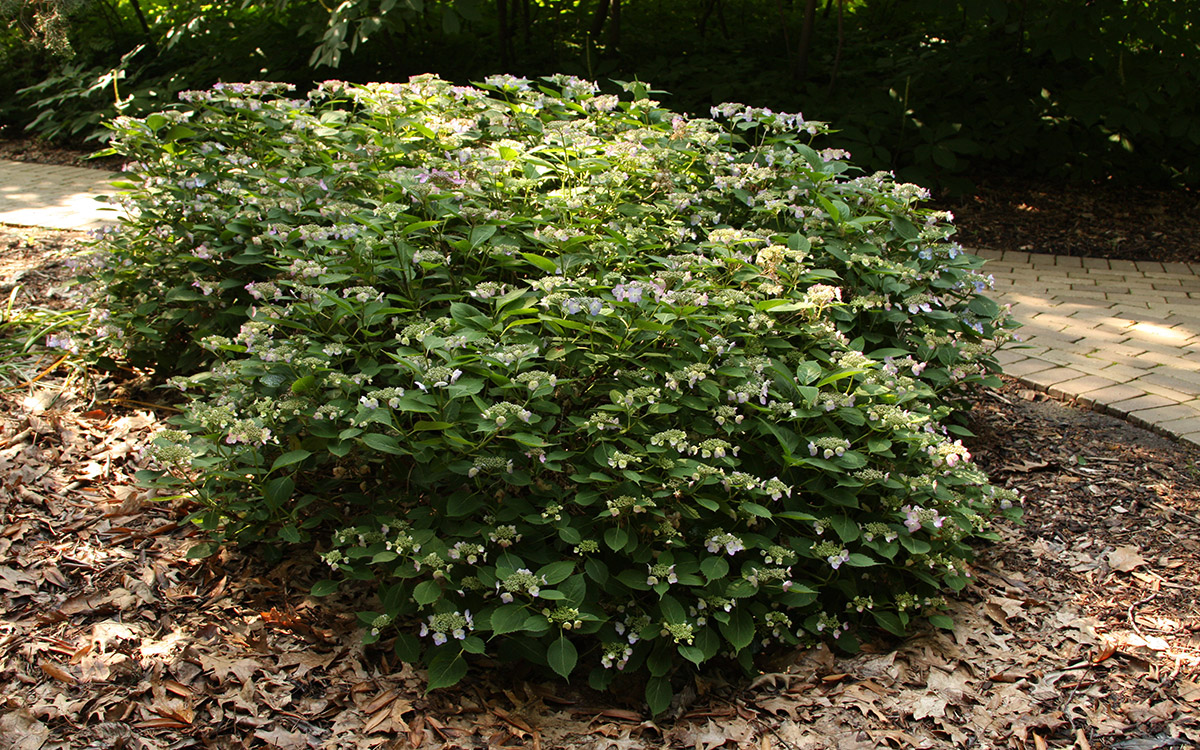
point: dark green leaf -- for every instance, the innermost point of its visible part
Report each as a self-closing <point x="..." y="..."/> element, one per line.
<point x="446" y="668"/>
<point x="561" y="656"/>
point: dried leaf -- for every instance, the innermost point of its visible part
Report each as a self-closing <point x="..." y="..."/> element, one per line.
<point x="58" y="673"/>
<point x="1189" y="691"/>
<point x="21" y="730"/>
<point x="926" y="706"/>
<point x="1125" y="559"/>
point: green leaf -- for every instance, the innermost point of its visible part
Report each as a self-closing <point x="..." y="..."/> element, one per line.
<point x="859" y="560"/>
<point x="480" y="235"/>
<point x="616" y="538"/>
<point x="289" y="458"/>
<point x="658" y="694"/>
<point x="890" y="622"/>
<point x="383" y="443"/>
<point x="596" y="570"/>
<point x="672" y="610"/>
<point x="714" y="568"/>
<point x="446" y="668"/>
<point x="545" y="264"/>
<point x="739" y="631"/>
<point x="984" y="307"/>
<point x="847" y="530"/>
<point x="303" y="384"/>
<point x="408" y="648"/>
<point x="509" y="618"/>
<point x="556" y="572"/>
<point x="202" y="550"/>
<point x="708" y="642"/>
<point x="562" y="656"/>
<point x="473" y="644"/>
<point x="692" y="654"/>
<point x="536" y="624"/>
<point x="755" y="509"/>
<point x="324" y="588"/>
<point x="278" y="491"/>
<point x="460" y="505"/>
<point x="290" y="534"/>
<point x="944" y="622"/>
<point x="427" y="592"/>
<point x="424" y="426"/>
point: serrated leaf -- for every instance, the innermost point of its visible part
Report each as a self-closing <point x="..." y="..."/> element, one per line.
<point x="846" y="529"/>
<point x="445" y="669"/>
<point x="289" y="458"/>
<point x="562" y="656"/>
<point x="383" y="443"/>
<point x="408" y="648"/>
<point x="616" y="538"/>
<point x="739" y="631"/>
<point x="556" y="572"/>
<point x="658" y="694"/>
<point x="324" y="588"/>
<point x="509" y="619"/>
<point x="427" y="592"/>
<point x="945" y="622"/>
<point x="202" y="550"/>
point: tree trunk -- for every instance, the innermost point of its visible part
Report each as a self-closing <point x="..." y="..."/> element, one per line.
<point x="806" y="32"/>
<point x="614" y="28"/>
<point x="599" y="19"/>
<point x="504" y="33"/>
<point x="841" y="42"/>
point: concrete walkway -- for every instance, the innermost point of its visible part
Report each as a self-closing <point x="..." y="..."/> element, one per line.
<point x="1118" y="336"/>
<point x="41" y="195"/>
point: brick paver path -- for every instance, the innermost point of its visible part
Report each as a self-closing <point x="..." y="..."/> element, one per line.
<point x="1120" y="336"/>
<point x="41" y="195"/>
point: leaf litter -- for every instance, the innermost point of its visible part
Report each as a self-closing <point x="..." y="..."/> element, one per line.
<point x="1081" y="629"/>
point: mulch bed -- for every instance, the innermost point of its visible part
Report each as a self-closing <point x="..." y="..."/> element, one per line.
<point x="1096" y="219"/>
<point x="1082" y="627"/>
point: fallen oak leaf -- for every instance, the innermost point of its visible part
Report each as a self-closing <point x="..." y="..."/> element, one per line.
<point x="1125" y="559"/>
<point x="1189" y="691"/>
<point x="21" y="730"/>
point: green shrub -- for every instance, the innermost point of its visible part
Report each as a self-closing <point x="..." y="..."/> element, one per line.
<point x="576" y="380"/>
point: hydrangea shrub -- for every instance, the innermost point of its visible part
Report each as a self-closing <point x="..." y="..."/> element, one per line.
<point x="576" y="379"/>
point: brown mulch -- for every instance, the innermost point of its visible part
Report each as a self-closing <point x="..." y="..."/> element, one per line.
<point x="1081" y="629"/>
<point x="1098" y="219"/>
<point x="41" y="152"/>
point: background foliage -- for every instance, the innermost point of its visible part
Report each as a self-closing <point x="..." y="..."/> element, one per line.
<point x="936" y="90"/>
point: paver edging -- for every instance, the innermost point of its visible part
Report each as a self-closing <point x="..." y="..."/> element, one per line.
<point x="1189" y="442"/>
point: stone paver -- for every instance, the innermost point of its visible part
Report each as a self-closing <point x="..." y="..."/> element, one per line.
<point x="1118" y="336"/>
<point x="55" y="197"/>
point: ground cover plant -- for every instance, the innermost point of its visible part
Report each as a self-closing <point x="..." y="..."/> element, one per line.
<point x="576" y="379"/>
